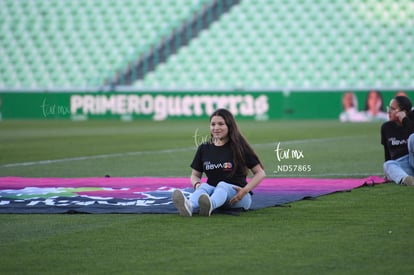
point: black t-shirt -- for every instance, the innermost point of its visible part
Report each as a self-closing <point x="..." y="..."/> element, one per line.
<point x="394" y="138"/>
<point x="217" y="163"/>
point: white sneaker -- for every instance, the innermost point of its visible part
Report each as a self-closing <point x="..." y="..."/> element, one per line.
<point x="408" y="180"/>
<point x="206" y="207"/>
<point x="182" y="204"/>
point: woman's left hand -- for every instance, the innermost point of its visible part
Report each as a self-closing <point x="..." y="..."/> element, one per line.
<point x="239" y="196"/>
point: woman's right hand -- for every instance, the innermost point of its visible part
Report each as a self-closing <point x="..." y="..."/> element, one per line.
<point x="401" y="115"/>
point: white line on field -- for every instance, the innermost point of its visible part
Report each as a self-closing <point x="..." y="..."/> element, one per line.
<point x="52" y="161"/>
<point x="137" y="153"/>
<point x="310" y="140"/>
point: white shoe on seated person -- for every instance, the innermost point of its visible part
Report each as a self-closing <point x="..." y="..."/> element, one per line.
<point x="182" y="204"/>
<point x="206" y="207"/>
<point x="408" y="180"/>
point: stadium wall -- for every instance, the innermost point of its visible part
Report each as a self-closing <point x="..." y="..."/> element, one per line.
<point x="163" y="105"/>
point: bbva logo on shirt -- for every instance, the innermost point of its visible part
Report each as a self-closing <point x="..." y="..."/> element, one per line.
<point x="396" y="142"/>
<point x="211" y="166"/>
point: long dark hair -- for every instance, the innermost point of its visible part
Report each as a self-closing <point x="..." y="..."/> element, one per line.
<point x="239" y="145"/>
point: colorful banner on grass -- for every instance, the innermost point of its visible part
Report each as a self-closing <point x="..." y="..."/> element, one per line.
<point x="145" y="195"/>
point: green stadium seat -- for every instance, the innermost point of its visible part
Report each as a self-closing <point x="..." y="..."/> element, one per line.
<point x="256" y="43"/>
<point x="80" y="24"/>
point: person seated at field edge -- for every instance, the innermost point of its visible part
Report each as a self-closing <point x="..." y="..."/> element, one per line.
<point x="225" y="159"/>
<point x="374" y="109"/>
<point x="350" y="111"/>
<point x="398" y="140"/>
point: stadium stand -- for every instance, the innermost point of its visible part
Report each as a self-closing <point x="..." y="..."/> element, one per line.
<point x="79" y="43"/>
<point x="299" y="43"/>
<point x="254" y="44"/>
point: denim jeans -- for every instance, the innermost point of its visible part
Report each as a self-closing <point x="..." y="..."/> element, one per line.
<point x="219" y="196"/>
<point x="397" y="170"/>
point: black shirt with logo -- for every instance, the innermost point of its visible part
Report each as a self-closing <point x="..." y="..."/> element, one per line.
<point x="217" y="163"/>
<point x="394" y="138"/>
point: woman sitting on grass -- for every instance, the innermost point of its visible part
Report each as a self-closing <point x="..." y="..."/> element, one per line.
<point x="226" y="160"/>
<point x="398" y="141"/>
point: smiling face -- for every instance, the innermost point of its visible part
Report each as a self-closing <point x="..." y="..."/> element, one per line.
<point x="218" y="128"/>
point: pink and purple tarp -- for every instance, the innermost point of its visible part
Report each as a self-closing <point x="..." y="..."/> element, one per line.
<point x="147" y="194"/>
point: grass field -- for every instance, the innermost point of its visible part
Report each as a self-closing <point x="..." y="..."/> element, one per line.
<point x="367" y="231"/>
